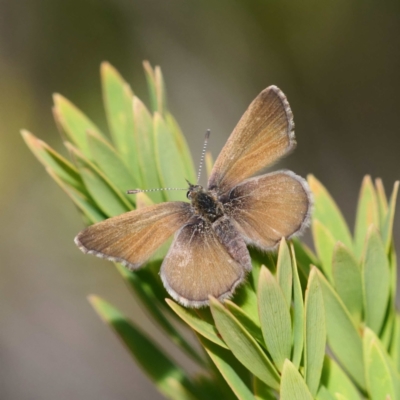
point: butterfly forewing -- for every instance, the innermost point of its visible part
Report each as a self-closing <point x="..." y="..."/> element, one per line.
<point x="264" y="134"/>
<point x="132" y="238"/>
<point x="198" y="265"/>
<point x="269" y="207"/>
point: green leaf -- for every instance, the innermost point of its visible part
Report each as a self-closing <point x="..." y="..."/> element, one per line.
<point x="305" y="258"/>
<point x="298" y="314"/>
<point x="314" y="333"/>
<point x="183" y="148"/>
<point x="118" y="102"/>
<point x="370" y="339"/>
<point x="198" y="324"/>
<point x="382" y="200"/>
<point x="324" y="244"/>
<point x="170" y="380"/>
<point x="157" y="310"/>
<point x="367" y="214"/>
<point x="109" y="161"/>
<point x="327" y="212"/>
<point x="395" y="347"/>
<point x="242" y="345"/>
<point x="251" y="326"/>
<point x="388" y="224"/>
<point x="274" y="317"/>
<point x="347" y="281"/>
<point x="107" y="197"/>
<point x="146" y="152"/>
<point x="156" y="86"/>
<point x="84" y="204"/>
<point x="262" y="391"/>
<point x="376" y="281"/>
<point x="246" y="298"/>
<point x="324" y="394"/>
<point x="335" y="380"/>
<point x="222" y="359"/>
<point x="74" y="123"/>
<point x="284" y="271"/>
<point x="293" y="386"/>
<point x="343" y="337"/>
<point x="60" y="166"/>
<point x="169" y="161"/>
<point x="379" y="381"/>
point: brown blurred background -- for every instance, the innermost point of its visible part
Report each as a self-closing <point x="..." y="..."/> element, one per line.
<point x="337" y="61"/>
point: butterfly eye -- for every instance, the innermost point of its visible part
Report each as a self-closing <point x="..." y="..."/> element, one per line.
<point x="188" y="194"/>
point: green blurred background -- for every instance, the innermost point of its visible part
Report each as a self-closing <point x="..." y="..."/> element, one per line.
<point x="337" y="61"/>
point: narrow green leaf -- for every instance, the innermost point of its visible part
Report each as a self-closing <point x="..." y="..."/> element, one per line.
<point x="274" y="317"/>
<point x="84" y="204"/>
<point x="118" y="102"/>
<point x="347" y="281"/>
<point x="370" y="339"/>
<point x="160" y="91"/>
<point x="304" y="258"/>
<point x="314" y="333"/>
<point x="190" y="173"/>
<point x="57" y="163"/>
<point x="262" y="391"/>
<point x="335" y="380"/>
<point x="376" y="281"/>
<point x="145" y="141"/>
<point x="395" y="347"/>
<point x="327" y="212"/>
<point x="367" y="214"/>
<point x="152" y="86"/>
<point x="156" y="310"/>
<point x="222" y="359"/>
<point x="243" y="346"/>
<point x="379" y="381"/>
<point x="324" y="394"/>
<point x="324" y="244"/>
<point x="109" y="200"/>
<point x="170" y="380"/>
<point x="284" y="271"/>
<point x="343" y="336"/>
<point x="246" y="298"/>
<point x="293" y="386"/>
<point x="388" y="224"/>
<point x="251" y="326"/>
<point x="393" y="276"/>
<point x="201" y="326"/>
<point x="382" y="200"/>
<point x="298" y="314"/>
<point x="74" y="123"/>
<point x="109" y="161"/>
<point x="169" y="161"/>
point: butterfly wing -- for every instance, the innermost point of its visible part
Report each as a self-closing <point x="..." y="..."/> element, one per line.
<point x="269" y="207"/>
<point x="264" y="134"/>
<point x="131" y="238"/>
<point x="198" y="265"/>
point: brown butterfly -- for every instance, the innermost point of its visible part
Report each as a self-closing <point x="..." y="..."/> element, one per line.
<point x="208" y="255"/>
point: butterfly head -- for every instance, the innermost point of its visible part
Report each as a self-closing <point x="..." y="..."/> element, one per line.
<point x="193" y="190"/>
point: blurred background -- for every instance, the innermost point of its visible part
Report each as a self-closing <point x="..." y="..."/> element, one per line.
<point x="338" y="62"/>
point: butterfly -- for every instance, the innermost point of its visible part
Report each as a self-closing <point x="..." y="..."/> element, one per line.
<point x="209" y="254"/>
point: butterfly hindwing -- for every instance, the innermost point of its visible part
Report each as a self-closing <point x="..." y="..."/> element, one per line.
<point x="131" y="238"/>
<point x="264" y="134"/>
<point x="198" y="265"/>
<point x="269" y="207"/>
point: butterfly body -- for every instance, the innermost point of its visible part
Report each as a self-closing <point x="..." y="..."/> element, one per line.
<point x="205" y="203"/>
<point x="209" y="255"/>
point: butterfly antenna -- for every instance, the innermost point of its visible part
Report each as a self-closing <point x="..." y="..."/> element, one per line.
<point x="203" y="153"/>
<point x="136" y="191"/>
